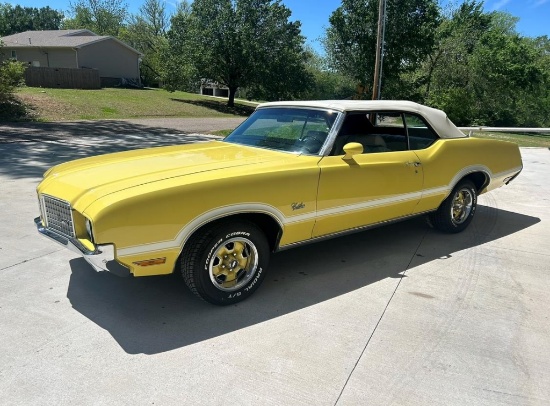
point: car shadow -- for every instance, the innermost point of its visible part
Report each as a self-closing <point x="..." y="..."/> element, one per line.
<point x="157" y="314"/>
<point x="29" y="149"/>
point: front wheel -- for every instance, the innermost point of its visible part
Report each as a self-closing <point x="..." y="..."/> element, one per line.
<point x="225" y="263"/>
<point x="457" y="210"/>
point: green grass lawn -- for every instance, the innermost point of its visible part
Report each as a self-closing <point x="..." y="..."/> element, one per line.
<point x="523" y="140"/>
<point x="109" y="103"/>
<point x="114" y="103"/>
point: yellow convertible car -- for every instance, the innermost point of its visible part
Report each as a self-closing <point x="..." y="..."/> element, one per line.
<point x="292" y="173"/>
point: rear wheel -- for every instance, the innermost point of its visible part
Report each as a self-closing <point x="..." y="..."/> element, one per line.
<point x="225" y="263"/>
<point x="457" y="210"/>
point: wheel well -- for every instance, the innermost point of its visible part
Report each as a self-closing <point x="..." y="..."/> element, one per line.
<point x="479" y="179"/>
<point x="266" y="223"/>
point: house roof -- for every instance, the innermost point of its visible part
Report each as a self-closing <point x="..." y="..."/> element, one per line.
<point x="57" y="39"/>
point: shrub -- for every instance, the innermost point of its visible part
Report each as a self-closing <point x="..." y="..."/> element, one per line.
<point x="11" y="76"/>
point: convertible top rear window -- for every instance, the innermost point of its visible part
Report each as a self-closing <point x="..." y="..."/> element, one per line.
<point x="296" y="130"/>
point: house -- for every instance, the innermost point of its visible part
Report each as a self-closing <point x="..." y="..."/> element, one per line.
<point x="213" y="88"/>
<point x="76" y="49"/>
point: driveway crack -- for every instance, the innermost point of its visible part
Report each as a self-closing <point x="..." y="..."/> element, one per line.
<point x="380" y="319"/>
<point x="31" y="259"/>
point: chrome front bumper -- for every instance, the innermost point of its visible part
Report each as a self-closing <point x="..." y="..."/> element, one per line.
<point x="99" y="259"/>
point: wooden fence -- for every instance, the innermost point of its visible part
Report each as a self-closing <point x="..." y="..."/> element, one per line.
<point x="66" y="78"/>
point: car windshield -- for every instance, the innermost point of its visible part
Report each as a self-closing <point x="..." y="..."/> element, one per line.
<point x="296" y="130"/>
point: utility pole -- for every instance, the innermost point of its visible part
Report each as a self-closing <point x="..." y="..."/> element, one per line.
<point x="379" y="50"/>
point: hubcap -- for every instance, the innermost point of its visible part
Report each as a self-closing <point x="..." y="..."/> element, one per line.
<point x="462" y="205"/>
<point x="234" y="264"/>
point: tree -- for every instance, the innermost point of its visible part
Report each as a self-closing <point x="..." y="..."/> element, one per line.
<point x="20" y="19"/>
<point x="540" y="109"/>
<point x="246" y="43"/>
<point x="456" y="38"/>
<point x="506" y="79"/>
<point x="146" y="32"/>
<point x="177" y="59"/>
<point x="104" y="17"/>
<point x="11" y="76"/>
<point x="153" y="13"/>
<point x="281" y="72"/>
<point x="327" y="83"/>
<point x="482" y="71"/>
<point x="350" y="40"/>
<point x="445" y="73"/>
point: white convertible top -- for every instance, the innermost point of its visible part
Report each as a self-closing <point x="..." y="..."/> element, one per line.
<point x="436" y="118"/>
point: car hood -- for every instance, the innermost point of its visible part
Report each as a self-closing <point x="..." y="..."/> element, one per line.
<point x="85" y="180"/>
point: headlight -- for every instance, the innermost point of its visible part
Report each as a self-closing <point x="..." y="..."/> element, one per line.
<point x="89" y="230"/>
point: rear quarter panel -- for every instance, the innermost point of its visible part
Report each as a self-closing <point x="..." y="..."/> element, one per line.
<point x="446" y="162"/>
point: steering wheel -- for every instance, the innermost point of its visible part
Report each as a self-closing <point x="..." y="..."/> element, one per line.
<point x="312" y="142"/>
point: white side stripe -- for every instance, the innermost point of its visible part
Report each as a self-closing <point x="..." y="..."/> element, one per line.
<point x="283" y="220"/>
<point x="369" y="204"/>
<point x="197" y="222"/>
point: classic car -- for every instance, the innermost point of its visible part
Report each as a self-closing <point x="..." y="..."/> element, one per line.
<point x="292" y="173"/>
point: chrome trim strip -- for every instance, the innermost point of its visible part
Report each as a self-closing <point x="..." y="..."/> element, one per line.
<point x="98" y="258"/>
<point x="329" y="141"/>
<point x="511" y="178"/>
<point x="515" y="171"/>
<point x="351" y="231"/>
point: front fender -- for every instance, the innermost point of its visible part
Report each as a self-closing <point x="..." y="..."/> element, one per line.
<point x="153" y="221"/>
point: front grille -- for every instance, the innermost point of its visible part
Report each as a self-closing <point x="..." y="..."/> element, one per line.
<point x="58" y="216"/>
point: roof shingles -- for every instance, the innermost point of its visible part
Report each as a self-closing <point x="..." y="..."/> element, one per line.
<point x="55" y="39"/>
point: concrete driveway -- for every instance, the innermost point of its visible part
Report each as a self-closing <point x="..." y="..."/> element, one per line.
<point x="397" y="315"/>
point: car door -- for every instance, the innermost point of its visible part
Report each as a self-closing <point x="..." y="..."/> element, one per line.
<point x="382" y="183"/>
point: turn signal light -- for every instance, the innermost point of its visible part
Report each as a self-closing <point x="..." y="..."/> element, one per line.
<point x="149" y="262"/>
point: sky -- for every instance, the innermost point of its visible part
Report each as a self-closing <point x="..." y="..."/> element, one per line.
<point x="534" y="15"/>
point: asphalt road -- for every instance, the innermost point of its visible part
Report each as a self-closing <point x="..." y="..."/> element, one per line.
<point x="138" y="128"/>
<point x="398" y="315"/>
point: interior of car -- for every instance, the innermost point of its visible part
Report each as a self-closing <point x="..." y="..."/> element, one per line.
<point x="357" y="127"/>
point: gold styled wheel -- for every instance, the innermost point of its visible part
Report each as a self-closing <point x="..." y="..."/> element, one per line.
<point x="457" y="210"/>
<point x="225" y="262"/>
<point x="234" y="264"/>
<point x="462" y="205"/>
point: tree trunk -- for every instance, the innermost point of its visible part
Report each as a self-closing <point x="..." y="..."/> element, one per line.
<point x="231" y="100"/>
<point x="433" y="63"/>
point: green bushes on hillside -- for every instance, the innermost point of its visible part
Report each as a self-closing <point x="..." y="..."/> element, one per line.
<point x="11" y="76"/>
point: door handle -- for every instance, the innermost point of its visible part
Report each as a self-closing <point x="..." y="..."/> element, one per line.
<point x="415" y="164"/>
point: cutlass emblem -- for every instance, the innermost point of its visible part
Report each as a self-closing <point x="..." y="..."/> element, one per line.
<point x="297" y="206"/>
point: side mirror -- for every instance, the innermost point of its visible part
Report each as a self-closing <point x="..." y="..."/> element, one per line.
<point x="351" y="149"/>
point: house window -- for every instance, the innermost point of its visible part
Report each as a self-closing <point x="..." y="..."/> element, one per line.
<point x="14" y="54"/>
